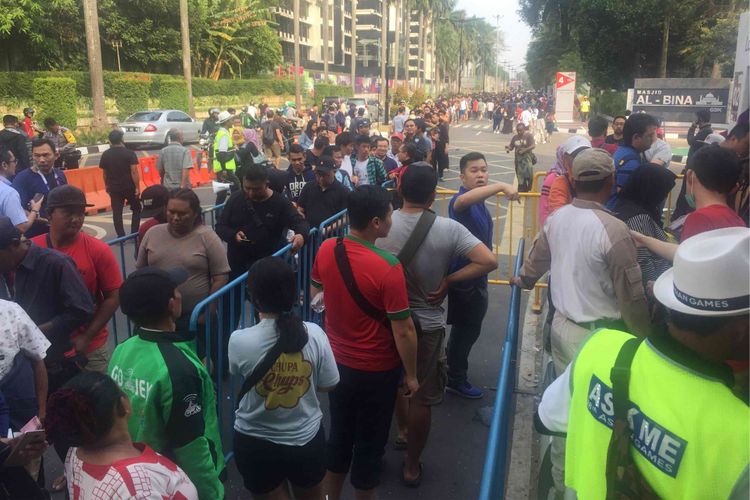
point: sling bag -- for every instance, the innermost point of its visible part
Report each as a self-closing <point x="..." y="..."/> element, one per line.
<point x="624" y="480"/>
<point x="260" y="370"/>
<point x="405" y="256"/>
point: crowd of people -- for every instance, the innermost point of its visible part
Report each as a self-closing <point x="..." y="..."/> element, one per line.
<point x="143" y="418"/>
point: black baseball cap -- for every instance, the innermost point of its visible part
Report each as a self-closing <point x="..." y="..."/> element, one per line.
<point x="363" y="123"/>
<point x="146" y="292"/>
<point x="8" y="232"/>
<point x="154" y="199"/>
<point x="66" y="196"/>
<point x="325" y="165"/>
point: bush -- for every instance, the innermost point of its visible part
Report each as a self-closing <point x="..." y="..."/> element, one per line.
<point x="131" y="94"/>
<point x="56" y="98"/>
<point x="203" y="87"/>
<point x="323" y="90"/>
<point x="609" y="102"/>
<point x="173" y="94"/>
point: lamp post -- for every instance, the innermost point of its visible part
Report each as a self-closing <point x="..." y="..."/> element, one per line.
<point x="117" y="45"/>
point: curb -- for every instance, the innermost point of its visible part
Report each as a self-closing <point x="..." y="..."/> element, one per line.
<point x="525" y="447"/>
<point x="99" y="148"/>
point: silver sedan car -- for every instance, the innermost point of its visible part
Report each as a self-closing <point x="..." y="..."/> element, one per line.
<point x="151" y="127"/>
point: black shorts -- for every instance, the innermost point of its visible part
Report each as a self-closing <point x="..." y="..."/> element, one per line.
<point x="264" y="465"/>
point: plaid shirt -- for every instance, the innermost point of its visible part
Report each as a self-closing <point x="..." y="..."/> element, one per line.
<point x="376" y="173"/>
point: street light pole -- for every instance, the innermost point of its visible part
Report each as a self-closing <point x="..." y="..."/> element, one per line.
<point x="460" y="57"/>
<point x="497" y="48"/>
<point x="117" y="45"/>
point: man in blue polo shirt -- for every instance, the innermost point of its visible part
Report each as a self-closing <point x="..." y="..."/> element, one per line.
<point x="638" y="136"/>
<point x="467" y="300"/>
<point x="41" y="178"/>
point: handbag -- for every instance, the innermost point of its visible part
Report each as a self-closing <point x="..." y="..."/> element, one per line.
<point x="624" y="480"/>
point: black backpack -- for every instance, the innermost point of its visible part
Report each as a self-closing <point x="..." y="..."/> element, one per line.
<point x="269" y="133"/>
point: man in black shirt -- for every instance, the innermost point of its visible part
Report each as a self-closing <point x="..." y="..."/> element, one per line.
<point x="412" y="134"/>
<point x="298" y="174"/>
<point x="618" y="127"/>
<point x="13" y="139"/>
<point x="314" y="154"/>
<point x="48" y="286"/>
<point x="325" y="197"/>
<point x="255" y="220"/>
<point x="122" y="180"/>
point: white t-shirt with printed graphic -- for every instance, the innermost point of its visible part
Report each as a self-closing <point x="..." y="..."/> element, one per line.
<point x="283" y="407"/>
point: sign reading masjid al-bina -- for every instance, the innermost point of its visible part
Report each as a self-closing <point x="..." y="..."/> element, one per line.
<point x="681" y="104"/>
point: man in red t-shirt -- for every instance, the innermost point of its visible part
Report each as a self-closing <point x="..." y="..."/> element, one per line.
<point x="712" y="174"/>
<point x="369" y="354"/>
<point x="96" y="264"/>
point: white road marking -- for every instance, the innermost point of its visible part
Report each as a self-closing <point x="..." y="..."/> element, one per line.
<point x="99" y="232"/>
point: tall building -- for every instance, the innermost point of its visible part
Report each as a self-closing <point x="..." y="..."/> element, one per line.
<point x="414" y="62"/>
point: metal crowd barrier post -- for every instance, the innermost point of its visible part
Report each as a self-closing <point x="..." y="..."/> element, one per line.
<point x="119" y="252"/>
<point x="492" y="486"/>
<point x="214" y="213"/>
<point x="333" y="227"/>
<point x="223" y="312"/>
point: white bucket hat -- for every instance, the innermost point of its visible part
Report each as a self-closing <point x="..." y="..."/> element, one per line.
<point x="224" y="116"/>
<point x="711" y="275"/>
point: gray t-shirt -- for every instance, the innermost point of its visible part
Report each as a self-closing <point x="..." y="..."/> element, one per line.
<point x="283" y="406"/>
<point x="173" y="159"/>
<point x="446" y="240"/>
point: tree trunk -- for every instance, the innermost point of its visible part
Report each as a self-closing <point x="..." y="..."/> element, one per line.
<point x="435" y="87"/>
<point x="664" y="47"/>
<point x="383" y="49"/>
<point x="324" y="3"/>
<point x="716" y="70"/>
<point x="187" y="69"/>
<point x="397" y="41"/>
<point x="407" y="30"/>
<point x="420" y="49"/>
<point x="354" y="45"/>
<point x="94" y="52"/>
<point x="297" y="89"/>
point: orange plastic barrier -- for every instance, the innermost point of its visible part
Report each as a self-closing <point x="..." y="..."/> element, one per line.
<point x="149" y="174"/>
<point x="90" y="180"/>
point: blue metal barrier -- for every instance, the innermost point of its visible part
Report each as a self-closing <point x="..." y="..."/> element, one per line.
<point x="334" y="226"/>
<point x="499" y="440"/>
<point x="213" y="214"/>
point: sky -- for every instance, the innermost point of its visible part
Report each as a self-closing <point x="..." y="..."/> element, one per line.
<point x="515" y="32"/>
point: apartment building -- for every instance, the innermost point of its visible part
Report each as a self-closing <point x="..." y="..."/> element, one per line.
<point x="414" y="63"/>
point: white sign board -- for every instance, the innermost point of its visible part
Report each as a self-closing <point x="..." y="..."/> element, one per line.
<point x="738" y="98"/>
<point x="565" y="94"/>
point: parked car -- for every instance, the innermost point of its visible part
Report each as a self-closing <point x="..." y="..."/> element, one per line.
<point x="151" y="127"/>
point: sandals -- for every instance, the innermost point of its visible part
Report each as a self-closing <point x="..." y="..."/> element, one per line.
<point x="412" y="483"/>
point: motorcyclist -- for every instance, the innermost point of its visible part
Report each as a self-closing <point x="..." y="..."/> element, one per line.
<point x="211" y="124"/>
<point x="29" y="125"/>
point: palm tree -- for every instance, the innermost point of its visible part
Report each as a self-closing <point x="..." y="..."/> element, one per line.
<point x="94" y="52"/>
<point x="397" y="35"/>
<point x="354" y="44"/>
<point x="297" y="90"/>
<point x="324" y="4"/>
<point x="186" y="63"/>
<point x="383" y="48"/>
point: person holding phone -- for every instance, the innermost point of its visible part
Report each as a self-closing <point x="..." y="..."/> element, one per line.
<point x="10" y="200"/>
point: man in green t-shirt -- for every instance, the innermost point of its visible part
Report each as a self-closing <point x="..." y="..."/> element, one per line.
<point x="172" y="395"/>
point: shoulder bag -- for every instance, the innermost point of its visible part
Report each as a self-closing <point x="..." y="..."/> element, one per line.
<point x="260" y="370"/>
<point x="405" y="256"/>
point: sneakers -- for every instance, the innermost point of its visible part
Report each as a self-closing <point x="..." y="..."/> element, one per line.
<point x="465" y="390"/>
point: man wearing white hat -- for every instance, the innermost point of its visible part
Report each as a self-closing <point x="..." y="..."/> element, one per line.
<point x="659" y="418"/>
<point x="561" y="192"/>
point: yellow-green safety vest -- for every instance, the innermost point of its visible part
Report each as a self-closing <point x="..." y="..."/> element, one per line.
<point x="690" y="433"/>
<point x="230" y="165"/>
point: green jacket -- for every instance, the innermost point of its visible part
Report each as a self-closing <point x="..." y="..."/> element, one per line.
<point x="174" y="404"/>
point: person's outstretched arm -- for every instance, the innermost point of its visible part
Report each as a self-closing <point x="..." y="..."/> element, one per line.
<point x="480" y="194"/>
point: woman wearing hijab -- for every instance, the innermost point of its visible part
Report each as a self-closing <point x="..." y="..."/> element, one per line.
<point x="639" y="206"/>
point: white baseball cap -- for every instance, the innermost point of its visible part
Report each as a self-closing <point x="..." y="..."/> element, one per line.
<point x="574" y="144"/>
<point x="710" y="275"/>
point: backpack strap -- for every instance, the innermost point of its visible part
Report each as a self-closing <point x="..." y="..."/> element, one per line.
<point x="620" y="376"/>
<point x="417" y="237"/>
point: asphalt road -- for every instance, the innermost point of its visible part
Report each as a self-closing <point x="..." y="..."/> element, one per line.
<point x="454" y="456"/>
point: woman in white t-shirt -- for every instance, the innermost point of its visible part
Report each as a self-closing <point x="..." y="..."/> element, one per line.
<point x="91" y="413"/>
<point x="278" y="434"/>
